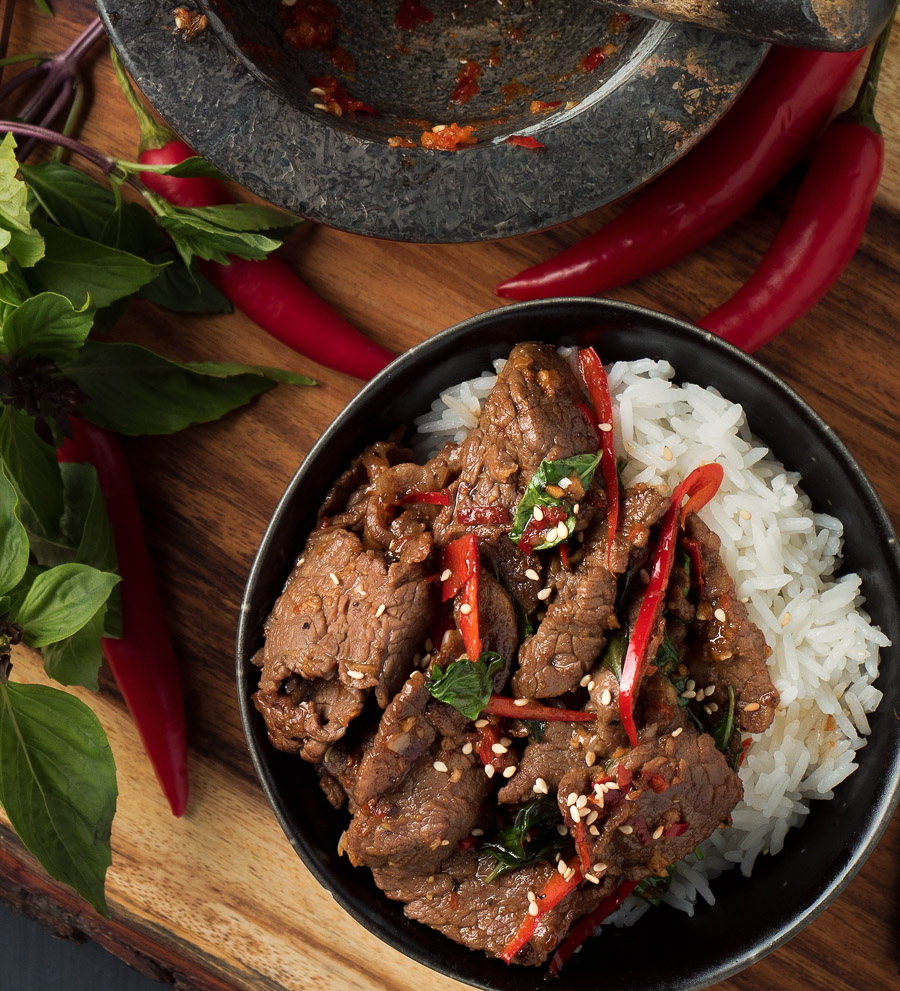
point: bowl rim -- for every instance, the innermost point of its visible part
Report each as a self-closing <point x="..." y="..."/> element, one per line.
<point x="488" y="191"/>
<point x="888" y="798"/>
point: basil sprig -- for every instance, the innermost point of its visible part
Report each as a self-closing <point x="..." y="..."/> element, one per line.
<point x="536" y="494"/>
<point x="723" y="730"/>
<point x="530" y="837"/>
<point x="466" y="685"/>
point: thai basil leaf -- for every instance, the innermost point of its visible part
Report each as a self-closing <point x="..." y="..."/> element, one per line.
<point x="723" y="730"/>
<point x="466" y="685"/>
<point x="185" y="290"/>
<point x="194" y="167"/>
<point x="552" y="473"/>
<point x="78" y="268"/>
<point x="530" y="837"/>
<point x="13" y="538"/>
<point x="614" y="655"/>
<point x="536" y="729"/>
<point x="61" y="600"/>
<point x="17" y="236"/>
<point x="58" y="784"/>
<point x="31" y="466"/>
<point x="71" y="199"/>
<point x="194" y="236"/>
<point x="241" y="217"/>
<point x="666" y="656"/>
<point x="46" y="324"/>
<point x="77" y="659"/>
<point x="132" y="228"/>
<point x="652" y="888"/>
<point x="134" y="391"/>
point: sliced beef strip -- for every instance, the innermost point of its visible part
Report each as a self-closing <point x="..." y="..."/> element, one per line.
<point x="531" y="415"/>
<point x="420" y="823"/>
<point x="348" y="611"/>
<point x="511" y="567"/>
<point x="549" y="759"/>
<point x="485" y="916"/>
<point x="732" y="651"/>
<point x="681" y="779"/>
<point x="305" y="717"/>
<point x="345" y="503"/>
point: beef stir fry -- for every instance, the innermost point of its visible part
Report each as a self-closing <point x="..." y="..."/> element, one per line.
<point x="526" y="684"/>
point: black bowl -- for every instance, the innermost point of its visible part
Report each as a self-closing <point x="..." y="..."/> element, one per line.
<point x="751" y="916"/>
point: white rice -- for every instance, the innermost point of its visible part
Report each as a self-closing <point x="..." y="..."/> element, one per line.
<point x="782" y="557"/>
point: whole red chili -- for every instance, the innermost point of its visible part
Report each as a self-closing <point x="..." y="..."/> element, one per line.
<point x="700" y="486"/>
<point x="267" y="291"/>
<point x="785" y="105"/>
<point x="821" y="232"/>
<point x="142" y="661"/>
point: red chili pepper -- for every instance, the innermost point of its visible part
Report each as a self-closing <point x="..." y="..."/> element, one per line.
<point x="487" y="737"/>
<point x="700" y="486"/>
<point x="482" y="515"/>
<point x="523" y="141"/>
<point x="594" y="375"/>
<point x="554" y="891"/>
<point x="582" y="846"/>
<point x="676" y="829"/>
<point x="820" y="233"/>
<point x="642" y="831"/>
<point x="745" y="746"/>
<point x="267" y="291"/>
<point x="441" y="498"/>
<point x="535" y="529"/>
<point x="142" y="661"/>
<point x="461" y="559"/>
<point x="500" y="705"/>
<point x="656" y="781"/>
<point x="785" y="105"/>
<point x="586" y="926"/>
<point x="467" y="842"/>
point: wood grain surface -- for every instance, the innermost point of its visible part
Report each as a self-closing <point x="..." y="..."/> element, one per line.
<point x="218" y="900"/>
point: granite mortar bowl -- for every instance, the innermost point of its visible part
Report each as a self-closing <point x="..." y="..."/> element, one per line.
<point x="239" y="93"/>
<point x="751" y="916"/>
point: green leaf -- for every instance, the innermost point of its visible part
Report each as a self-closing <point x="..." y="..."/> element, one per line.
<point x="13" y="538"/>
<point x="530" y="837"/>
<point x="13" y="287"/>
<point x="466" y="685"/>
<point x="194" y="236"/>
<point x="77" y="659"/>
<point x="185" y="290"/>
<point x="58" y="785"/>
<point x="16" y="233"/>
<point x="240" y="217"/>
<point x="134" y="391"/>
<point x="77" y="268"/>
<point x="31" y="465"/>
<point x="614" y="655"/>
<point x="133" y="228"/>
<point x="652" y="888"/>
<point x="536" y="729"/>
<point x="60" y="602"/>
<point x="46" y="324"/>
<point x="154" y="134"/>
<point x="552" y="473"/>
<point x="190" y="168"/>
<point x="666" y="659"/>
<point x="723" y="730"/>
<point x="71" y="199"/>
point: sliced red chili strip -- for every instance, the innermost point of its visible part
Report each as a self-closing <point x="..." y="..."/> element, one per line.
<point x="554" y="891"/>
<point x="460" y="558"/>
<point x="500" y="705"/>
<point x="642" y="831"/>
<point x="481" y="515"/>
<point x="441" y="498"/>
<point x="535" y="530"/>
<point x="676" y="829"/>
<point x="582" y="846"/>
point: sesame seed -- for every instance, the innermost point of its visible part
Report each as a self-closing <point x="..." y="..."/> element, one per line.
<point x="710" y="689"/>
<point x="379" y="610"/>
<point x="550" y="535"/>
<point x="520" y="701"/>
<point x="498" y="748"/>
<point x="657" y="832"/>
<point x="745" y="514"/>
<point x="532" y="897"/>
<point x="321" y="106"/>
<point x="626" y="830"/>
<point x="540" y="787"/>
<point x="701" y="695"/>
<point x="720" y="615"/>
<point x="316" y="90"/>
<point x="533" y="575"/>
<point x="576" y="508"/>
<point x="439" y="765"/>
<point x="667" y="453"/>
<point x="591" y="686"/>
<point x="355" y="674"/>
<point x="465" y="609"/>
<point x="561" y="829"/>
<point x="708" y="710"/>
<point x="334" y="578"/>
<point x="438" y="128"/>
<point x="605" y="427"/>
<point x="563" y="531"/>
<point x="532" y="908"/>
<point x="713" y="707"/>
<point x="572" y="798"/>
<point x="688" y="695"/>
<point x="570" y="873"/>
<point x="445" y="574"/>
<point x="605" y="697"/>
<point x="676" y="732"/>
<point x="581" y="801"/>
<point x="301" y="561"/>
<point x="593" y="830"/>
<point x="584" y="681"/>
<point x="785" y="619"/>
<point x="561" y="866"/>
<point x="752" y="707"/>
<point x="445" y="842"/>
<point x="429" y="645"/>
<point x="574" y="813"/>
<point x="478" y="831"/>
<point x="600" y="868"/>
<point x="538" y="513"/>
<point x="610" y="785"/>
<point x="590" y="758"/>
<point x="590" y="877"/>
<point x="489" y="770"/>
<point x="480" y="723"/>
<point x="544" y="594"/>
<point x="691" y="685"/>
<point x="505" y="740"/>
<point x="592" y="817"/>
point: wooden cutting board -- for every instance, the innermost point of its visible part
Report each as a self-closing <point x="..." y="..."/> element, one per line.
<point x="218" y="900"/>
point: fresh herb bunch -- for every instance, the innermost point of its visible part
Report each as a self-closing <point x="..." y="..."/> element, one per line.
<point x="74" y="253"/>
